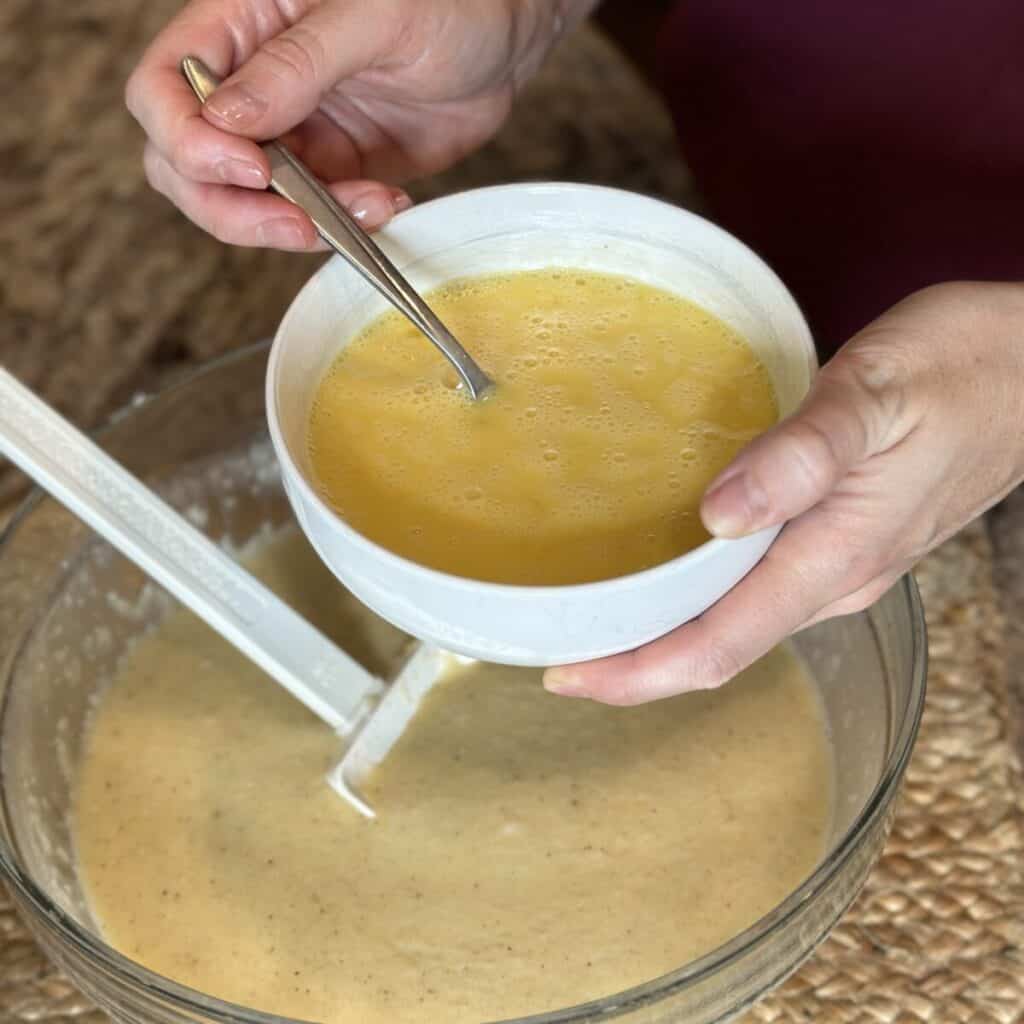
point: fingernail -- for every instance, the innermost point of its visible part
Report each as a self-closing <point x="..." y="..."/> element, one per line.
<point x="401" y="200"/>
<point x="283" y="233"/>
<point x="563" y="681"/>
<point x="375" y="208"/>
<point x="241" y="172"/>
<point x="235" y="105"/>
<point x="734" y="507"/>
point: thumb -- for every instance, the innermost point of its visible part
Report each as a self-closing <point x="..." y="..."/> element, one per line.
<point x="848" y="416"/>
<point x="283" y="82"/>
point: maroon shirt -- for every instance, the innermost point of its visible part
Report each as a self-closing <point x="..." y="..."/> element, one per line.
<point x="866" y="148"/>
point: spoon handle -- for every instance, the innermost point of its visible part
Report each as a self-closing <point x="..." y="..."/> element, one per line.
<point x="290" y="178"/>
<point x="171" y="551"/>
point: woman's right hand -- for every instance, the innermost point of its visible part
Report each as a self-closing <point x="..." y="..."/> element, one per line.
<point x="370" y="94"/>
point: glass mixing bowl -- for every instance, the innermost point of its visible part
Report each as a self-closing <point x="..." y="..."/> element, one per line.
<point x="69" y="605"/>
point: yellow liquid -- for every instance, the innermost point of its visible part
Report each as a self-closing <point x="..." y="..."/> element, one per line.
<point x="617" y="403"/>
<point x="531" y="852"/>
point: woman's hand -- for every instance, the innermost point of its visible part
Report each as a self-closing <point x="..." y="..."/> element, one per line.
<point x="912" y="430"/>
<point x="373" y="92"/>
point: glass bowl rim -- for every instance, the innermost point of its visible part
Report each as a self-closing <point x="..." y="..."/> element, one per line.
<point x="191" y="1001"/>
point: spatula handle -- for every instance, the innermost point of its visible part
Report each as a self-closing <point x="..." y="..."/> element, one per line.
<point x="171" y="551"/>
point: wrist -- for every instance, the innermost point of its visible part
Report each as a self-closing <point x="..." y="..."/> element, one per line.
<point x="986" y="331"/>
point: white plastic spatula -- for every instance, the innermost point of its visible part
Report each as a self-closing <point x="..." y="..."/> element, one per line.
<point x="198" y="573"/>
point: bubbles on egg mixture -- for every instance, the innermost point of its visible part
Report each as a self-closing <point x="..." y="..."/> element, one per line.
<point x="616" y="404"/>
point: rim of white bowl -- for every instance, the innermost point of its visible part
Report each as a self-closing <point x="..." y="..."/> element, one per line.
<point x="707" y="550"/>
<point x="192" y="1001"/>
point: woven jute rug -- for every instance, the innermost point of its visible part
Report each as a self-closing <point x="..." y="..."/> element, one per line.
<point x="105" y="290"/>
<point x="937" y="935"/>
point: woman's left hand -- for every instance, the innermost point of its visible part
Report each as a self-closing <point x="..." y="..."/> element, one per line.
<point x="913" y="429"/>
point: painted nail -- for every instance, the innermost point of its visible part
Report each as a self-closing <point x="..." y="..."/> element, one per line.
<point x="283" y="233"/>
<point x="373" y="209"/>
<point x="241" y="172"/>
<point x="235" y="105"/>
<point x="400" y="200"/>
<point x="734" y="507"/>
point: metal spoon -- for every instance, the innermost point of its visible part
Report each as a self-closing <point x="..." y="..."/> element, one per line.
<point x="290" y="178"/>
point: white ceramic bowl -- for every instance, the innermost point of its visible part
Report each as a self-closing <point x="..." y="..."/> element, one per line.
<point x="522" y="227"/>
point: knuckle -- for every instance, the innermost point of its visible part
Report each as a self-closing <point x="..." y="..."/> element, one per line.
<point x="183" y="161"/>
<point x="862" y="599"/>
<point x="635" y="691"/>
<point x="153" y="166"/>
<point x="649" y="674"/>
<point x="186" y="162"/>
<point x="932" y="528"/>
<point x="634" y="684"/>
<point x="868" y="595"/>
<point x="856" y="563"/>
<point x="203" y="210"/>
<point x="718" y="665"/>
<point x="872" y="570"/>
<point x="133" y="94"/>
<point x="295" y="54"/>
<point x="842" y="561"/>
<point x="882" y="377"/>
<point x="876" y="370"/>
<point x="850" y="605"/>
<point x="856" y="556"/>
<point x="625" y="696"/>
<point x="221" y="228"/>
<point x="704" y="669"/>
<point x="812" y="454"/>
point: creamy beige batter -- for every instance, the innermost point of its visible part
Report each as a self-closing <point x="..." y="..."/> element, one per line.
<point x="531" y="851"/>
